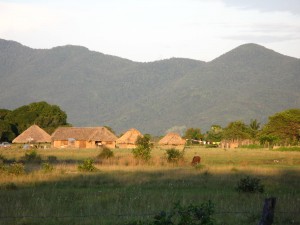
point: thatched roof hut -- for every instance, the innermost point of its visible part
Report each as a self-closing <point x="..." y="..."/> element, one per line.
<point x="128" y="139"/>
<point x="83" y="137"/>
<point x="33" y="134"/>
<point x="171" y="140"/>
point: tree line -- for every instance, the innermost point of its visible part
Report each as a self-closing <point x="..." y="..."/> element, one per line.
<point x="282" y="128"/>
<point x="46" y="116"/>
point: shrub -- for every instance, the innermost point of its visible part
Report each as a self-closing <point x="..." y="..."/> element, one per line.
<point x="143" y="149"/>
<point x="47" y="168"/>
<point x="16" y="169"/>
<point x="2" y="159"/>
<point x="174" y="155"/>
<point x="106" y="153"/>
<point x="32" y="157"/>
<point x="87" y="166"/>
<point x="250" y="185"/>
<point x="179" y="215"/>
<point x="52" y="159"/>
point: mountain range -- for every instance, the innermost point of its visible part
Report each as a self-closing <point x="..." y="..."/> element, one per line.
<point x="94" y="89"/>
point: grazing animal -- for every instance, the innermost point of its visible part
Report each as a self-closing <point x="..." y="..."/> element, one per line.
<point x="196" y="160"/>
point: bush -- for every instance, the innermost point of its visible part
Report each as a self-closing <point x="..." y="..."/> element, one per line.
<point x="181" y="215"/>
<point x="52" y="159"/>
<point x="2" y="159"/>
<point x="87" y="166"/>
<point x="32" y="157"/>
<point x="174" y="155"/>
<point x="143" y="149"/>
<point x="250" y="185"/>
<point x="105" y="153"/>
<point x="47" y="168"/>
<point x="16" y="169"/>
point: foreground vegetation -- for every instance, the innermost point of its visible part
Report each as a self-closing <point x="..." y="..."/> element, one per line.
<point x="122" y="189"/>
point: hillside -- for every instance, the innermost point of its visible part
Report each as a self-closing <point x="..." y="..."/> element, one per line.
<point x="249" y="82"/>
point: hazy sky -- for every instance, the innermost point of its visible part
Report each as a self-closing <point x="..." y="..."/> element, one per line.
<point x="148" y="30"/>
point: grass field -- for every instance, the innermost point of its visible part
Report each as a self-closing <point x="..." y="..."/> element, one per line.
<point x="125" y="189"/>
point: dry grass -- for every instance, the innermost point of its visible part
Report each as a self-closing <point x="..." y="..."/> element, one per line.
<point x="127" y="186"/>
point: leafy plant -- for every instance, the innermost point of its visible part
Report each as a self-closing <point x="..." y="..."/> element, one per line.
<point x="47" y="168"/>
<point x="87" y="166"/>
<point x="143" y="149"/>
<point x="52" y="159"/>
<point x="2" y="159"/>
<point x="174" y="155"/>
<point x="183" y="215"/>
<point x="250" y="185"/>
<point x="106" y="153"/>
<point x="32" y="157"/>
<point x="16" y="169"/>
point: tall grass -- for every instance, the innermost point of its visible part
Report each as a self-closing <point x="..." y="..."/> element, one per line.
<point x="125" y="189"/>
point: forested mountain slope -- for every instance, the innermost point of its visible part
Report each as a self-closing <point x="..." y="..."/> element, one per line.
<point x="249" y="82"/>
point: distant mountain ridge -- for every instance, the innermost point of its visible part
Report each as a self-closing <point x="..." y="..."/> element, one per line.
<point x="248" y="82"/>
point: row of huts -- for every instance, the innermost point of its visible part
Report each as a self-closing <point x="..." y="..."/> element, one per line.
<point x="91" y="137"/>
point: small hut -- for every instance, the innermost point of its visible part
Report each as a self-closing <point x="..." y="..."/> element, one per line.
<point x="128" y="139"/>
<point x="33" y="134"/>
<point x="83" y="137"/>
<point x="172" y="140"/>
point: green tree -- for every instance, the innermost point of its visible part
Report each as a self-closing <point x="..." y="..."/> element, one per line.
<point x="193" y="134"/>
<point x="254" y="128"/>
<point x="6" y="131"/>
<point x="3" y="113"/>
<point x="237" y="130"/>
<point x="214" y="134"/>
<point x="283" y="126"/>
<point x="48" y="117"/>
<point x="143" y="149"/>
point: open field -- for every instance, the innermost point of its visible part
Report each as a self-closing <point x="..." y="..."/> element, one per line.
<point x="125" y="189"/>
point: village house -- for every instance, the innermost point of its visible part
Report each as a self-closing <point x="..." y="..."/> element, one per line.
<point x="172" y="140"/>
<point x="33" y="135"/>
<point x="83" y="137"/>
<point x="128" y="139"/>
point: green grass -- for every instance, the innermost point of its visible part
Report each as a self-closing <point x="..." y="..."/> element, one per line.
<point x="124" y="189"/>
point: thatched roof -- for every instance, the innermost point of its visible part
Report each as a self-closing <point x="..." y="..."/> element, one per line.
<point x="129" y="137"/>
<point x="33" y="134"/>
<point x="172" y="139"/>
<point x="83" y="133"/>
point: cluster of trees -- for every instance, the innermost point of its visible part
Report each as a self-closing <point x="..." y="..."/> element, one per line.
<point x="46" y="116"/>
<point x="282" y="128"/>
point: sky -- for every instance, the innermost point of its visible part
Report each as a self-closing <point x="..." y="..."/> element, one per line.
<point x="150" y="30"/>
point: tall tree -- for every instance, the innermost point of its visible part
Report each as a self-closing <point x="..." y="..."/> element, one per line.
<point x="193" y="133"/>
<point x="236" y="130"/>
<point x="47" y="116"/>
<point x="254" y="127"/>
<point x="284" y="125"/>
<point x="214" y="134"/>
<point x="6" y="131"/>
